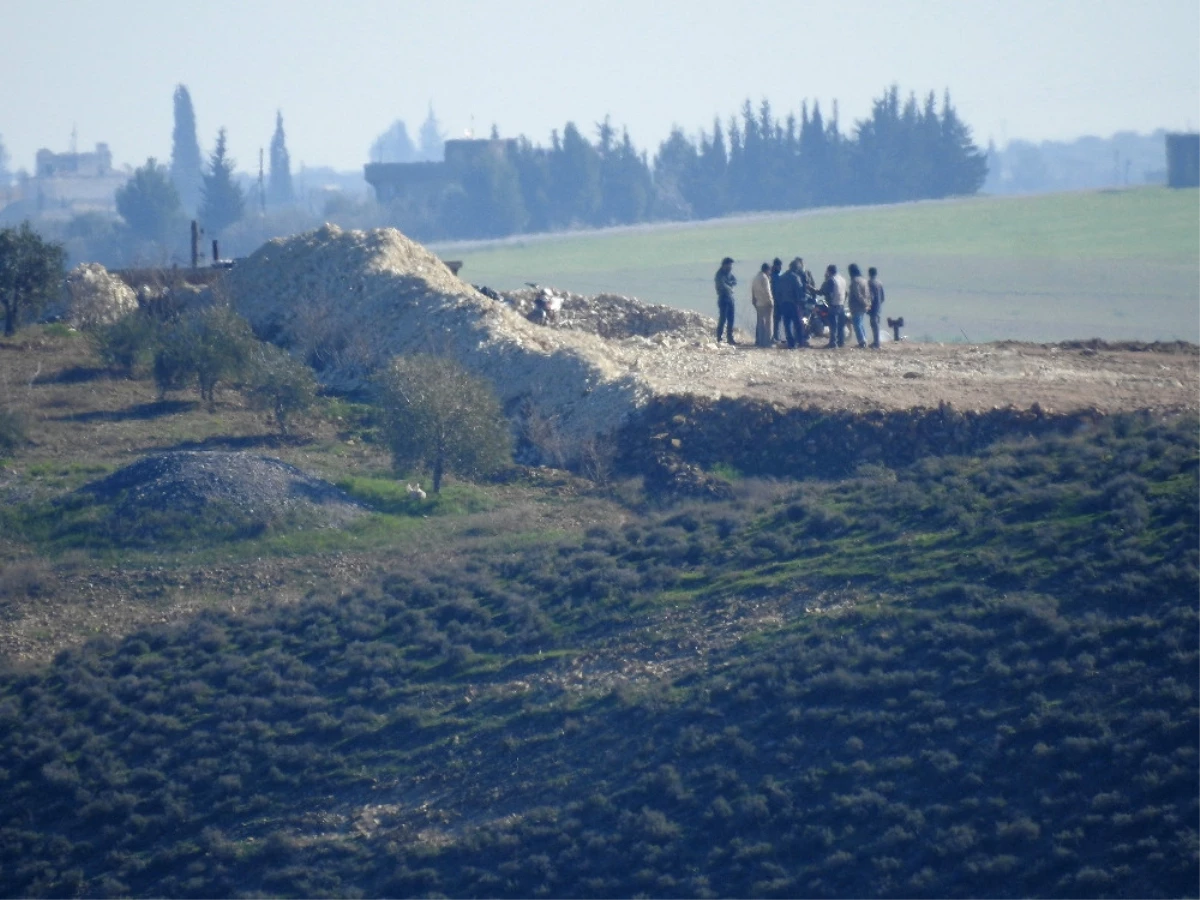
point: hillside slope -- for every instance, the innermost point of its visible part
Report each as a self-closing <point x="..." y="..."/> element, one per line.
<point x="973" y="676"/>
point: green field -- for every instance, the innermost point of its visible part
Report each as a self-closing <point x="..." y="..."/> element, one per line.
<point x="1119" y="265"/>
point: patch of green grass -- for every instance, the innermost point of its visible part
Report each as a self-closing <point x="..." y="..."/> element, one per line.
<point x="728" y="472"/>
<point x="985" y="268"/>
<point x="66" y="469"/>
<point x="390" y="495"/>
<point x="59" y="330"/>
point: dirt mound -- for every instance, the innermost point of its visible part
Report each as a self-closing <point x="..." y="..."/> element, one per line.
<point x="615" y="318"/>
<point x="235" y="490"/>
<point x="347" y="302"/>
<point x="94" y="296"/>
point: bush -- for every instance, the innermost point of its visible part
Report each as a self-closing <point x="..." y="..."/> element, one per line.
<point x="280" y="383"/>
<point x="12" y="430"/>
<point x="127" y="345"/>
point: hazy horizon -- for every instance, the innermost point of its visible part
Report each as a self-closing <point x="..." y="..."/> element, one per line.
<point x="1015" y="70"/>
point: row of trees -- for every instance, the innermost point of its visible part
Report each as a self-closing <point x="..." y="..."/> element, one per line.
<point x="395" y="146"/>
<point x="906" y="150"/>
<point x="437" y="417"/>
<point x="212" y="191"/>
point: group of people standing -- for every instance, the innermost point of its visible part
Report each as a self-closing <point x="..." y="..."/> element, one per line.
<point x="789" y="298"/>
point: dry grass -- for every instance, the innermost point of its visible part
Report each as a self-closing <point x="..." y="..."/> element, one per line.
<point x="82" y="423"/>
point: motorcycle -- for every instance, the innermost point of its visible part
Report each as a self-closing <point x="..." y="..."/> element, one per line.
<point x="816" y="320"/>
<point x="547" y="306"/>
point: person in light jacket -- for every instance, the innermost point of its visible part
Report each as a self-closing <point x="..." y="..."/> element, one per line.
<point x="834" y="292"/>
<point x="860" y="302"/>
<point x="764" y="305"/>
<point x="876" y="310"/>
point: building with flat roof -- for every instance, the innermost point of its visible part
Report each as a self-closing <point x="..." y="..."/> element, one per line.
<point x="1183" y="160"/>
<point x="421" y="182"/>
<point x="64" y="185"/>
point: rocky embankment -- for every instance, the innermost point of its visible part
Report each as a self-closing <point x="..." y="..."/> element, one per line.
<point x="349" y="301"/>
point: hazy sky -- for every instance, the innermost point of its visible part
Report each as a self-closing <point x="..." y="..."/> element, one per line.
<point x="341" y="72"/>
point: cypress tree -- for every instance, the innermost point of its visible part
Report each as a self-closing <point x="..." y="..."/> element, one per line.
<point x="676" y="170"/>
<point x="394" y="145"/>
<point x="5" y="175"/>
<point x="186" y="169"/>
<point x="962" y="167"/>
<point x="575" y="179"/>
<point x="223" y="202"/>
<point x="432" y="141"/>
<point x="279" y="185"/>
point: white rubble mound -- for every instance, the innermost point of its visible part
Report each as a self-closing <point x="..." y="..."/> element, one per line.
<point x="96" y="297"/>
<point x="349" y="301"/>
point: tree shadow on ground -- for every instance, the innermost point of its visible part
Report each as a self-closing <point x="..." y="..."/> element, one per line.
<point x="73" y="375"/>
<point x="242" y="442"/>
<point x="139" y="411"/>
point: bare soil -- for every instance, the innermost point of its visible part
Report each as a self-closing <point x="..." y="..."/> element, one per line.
<point x="1059" y="378"/>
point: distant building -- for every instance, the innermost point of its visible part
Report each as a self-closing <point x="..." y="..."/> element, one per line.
<point x="80" y="165"/>
<point x="1183" y="160"/>
<point x="422" y="182"/>
<point x="65" y="185"/>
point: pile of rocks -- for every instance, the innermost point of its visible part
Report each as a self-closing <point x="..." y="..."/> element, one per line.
<point x="240" y="488"/>
<point x="347" y="302"/>
<point x="94" y="297"/>
<point x="616" y="318"/>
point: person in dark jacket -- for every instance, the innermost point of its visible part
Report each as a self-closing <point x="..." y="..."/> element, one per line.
<point x="876" y="310"/>
<point x="725" y="282"/>
<point x="776" y="277"/>
<point x="791" y="298"/>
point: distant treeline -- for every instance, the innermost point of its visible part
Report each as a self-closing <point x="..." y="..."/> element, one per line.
<point x="1024" y="167"/>
<point x="906" y="150"/>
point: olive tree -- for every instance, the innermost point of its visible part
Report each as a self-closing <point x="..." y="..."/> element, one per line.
<point x="440" y="416"/>
<point x="280" y="384"/>
<point x="210" y="345"/>
<point x="31" y="273"/>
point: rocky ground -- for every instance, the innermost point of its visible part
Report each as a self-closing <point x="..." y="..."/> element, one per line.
<point x="348" y="301"/>
<point x="906" y="375"/>
<point x="674" y="352"/>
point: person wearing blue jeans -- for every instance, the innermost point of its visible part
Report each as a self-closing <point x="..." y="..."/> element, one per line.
<point x="834" y="292"/>
<point x="860" y="302"/>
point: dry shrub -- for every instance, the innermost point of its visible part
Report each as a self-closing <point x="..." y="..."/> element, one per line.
<point x="27" y="579"/>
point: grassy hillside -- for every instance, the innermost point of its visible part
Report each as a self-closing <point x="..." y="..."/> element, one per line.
<point x="967" y="676"/>
<point x="1110" y="264"/>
